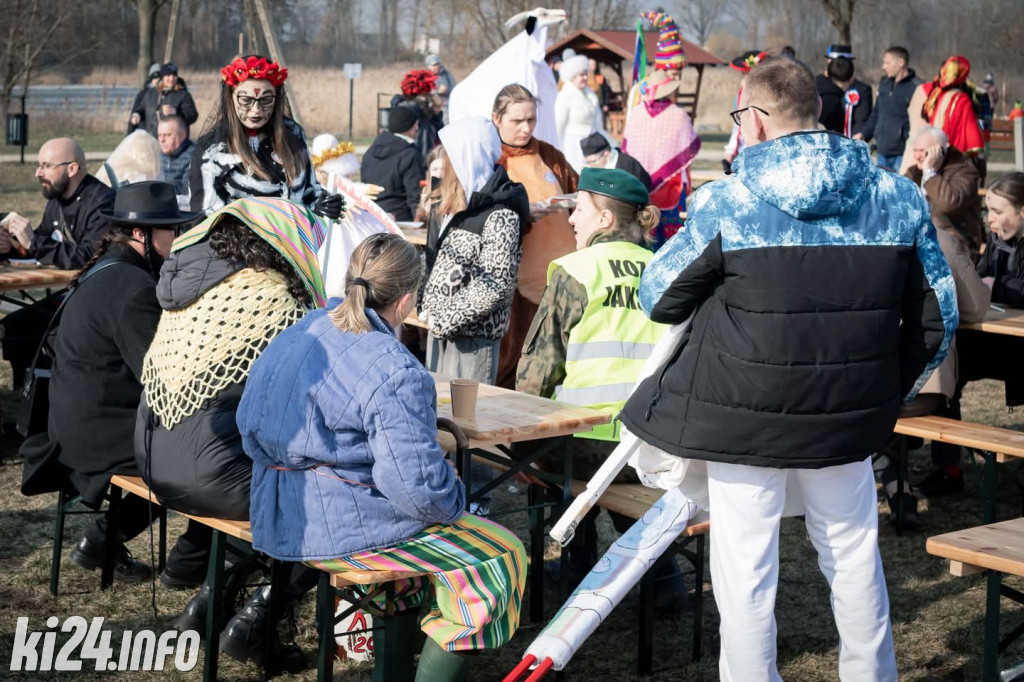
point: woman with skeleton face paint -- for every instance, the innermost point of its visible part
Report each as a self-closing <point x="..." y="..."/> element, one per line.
<point x="251" y="146"/>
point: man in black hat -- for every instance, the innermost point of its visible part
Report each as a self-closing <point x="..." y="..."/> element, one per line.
<point x="394" y="163"/>
<point x="166" y="99"/>
<point x="598" y="153"/>
<point x="102" y="336"/>
<point x="833" y="86"/>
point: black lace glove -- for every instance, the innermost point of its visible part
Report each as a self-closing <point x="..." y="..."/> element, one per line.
<point x="329" y="206"/>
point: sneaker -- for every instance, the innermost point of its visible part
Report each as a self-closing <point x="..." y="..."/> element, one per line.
<point x="907" y="504"/>
<point x="89" y="556"/>
<point x="939" y="482"/>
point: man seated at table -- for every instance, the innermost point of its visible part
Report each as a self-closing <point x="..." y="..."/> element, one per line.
<point x="598" y="153"/>
<point x="951" y="183"/>
<point x="175" y="154"/>
<point x="66" y="237"/>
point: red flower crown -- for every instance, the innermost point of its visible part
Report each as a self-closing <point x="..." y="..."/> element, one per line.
<point x="253" y="67"/>
<point x="418" y="82"/>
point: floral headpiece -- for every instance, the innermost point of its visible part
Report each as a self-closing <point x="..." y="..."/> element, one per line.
<point x="253" y="67"/>
<point x="418" y="82"/>
<point x="341" y="149"/>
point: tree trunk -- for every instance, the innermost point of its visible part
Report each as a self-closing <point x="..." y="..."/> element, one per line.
<point x="147" y="28"/>
<point x="840" y="13"/>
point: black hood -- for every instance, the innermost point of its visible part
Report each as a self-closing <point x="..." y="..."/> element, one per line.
<point x="387" y="145"/>
<point x="501" y="190"/>
<point x="188" y="274"/>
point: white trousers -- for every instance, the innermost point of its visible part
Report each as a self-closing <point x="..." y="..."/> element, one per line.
<point x="842" y="521"/>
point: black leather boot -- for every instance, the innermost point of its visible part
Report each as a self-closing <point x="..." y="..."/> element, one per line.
<point x="194" y="615"/>
<point x="89" y="555"/>
<point x="244" y="637"/>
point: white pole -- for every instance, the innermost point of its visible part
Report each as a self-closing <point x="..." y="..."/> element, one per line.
<point x="332" y="182"/>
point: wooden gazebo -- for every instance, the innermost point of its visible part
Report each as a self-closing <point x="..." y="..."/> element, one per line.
<point x="614" y="49"/>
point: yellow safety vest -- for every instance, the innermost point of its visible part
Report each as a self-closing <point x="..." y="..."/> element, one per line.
<point x="608" y="347"/>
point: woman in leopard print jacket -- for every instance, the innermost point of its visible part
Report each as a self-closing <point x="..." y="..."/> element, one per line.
<point x="473" y="262"/>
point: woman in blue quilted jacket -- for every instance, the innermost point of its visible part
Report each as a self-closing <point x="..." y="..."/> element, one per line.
<point x="341" y="423"/>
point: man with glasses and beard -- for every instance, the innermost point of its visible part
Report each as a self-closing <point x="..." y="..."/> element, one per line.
<point x="66" y="237"/>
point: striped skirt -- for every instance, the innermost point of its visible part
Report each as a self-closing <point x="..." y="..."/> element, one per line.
<point x="478" y="571"/>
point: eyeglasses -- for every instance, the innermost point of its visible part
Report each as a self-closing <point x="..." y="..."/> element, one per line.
<point x="266" y="102"/>
<point x="50" y="166"/>
<point x="739" y="112"/>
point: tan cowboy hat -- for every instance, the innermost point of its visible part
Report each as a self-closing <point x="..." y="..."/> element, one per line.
<point x="659" y="84"/>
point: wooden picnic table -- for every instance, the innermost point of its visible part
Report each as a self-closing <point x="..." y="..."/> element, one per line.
<point x="1007" y="321"/>
<point x="18" y="278"/>
<point x="504" y="416"/>
<point x="415" y="235"/>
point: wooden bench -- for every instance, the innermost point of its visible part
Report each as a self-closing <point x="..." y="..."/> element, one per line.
<point x="999" y="549"/>
<point x="993" y="443"/>
<point x="634" y="500"/>
<point x="240" y="530"/>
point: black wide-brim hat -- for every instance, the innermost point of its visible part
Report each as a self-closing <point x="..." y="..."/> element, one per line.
<point x="147" y="204"/>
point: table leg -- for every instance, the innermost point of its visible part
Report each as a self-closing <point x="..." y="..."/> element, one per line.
<point x="215" y="577"/>
<point x="325" y="610"/>
<point x="113" y="542"/>
<point x="563" y="573"/>
<point x="989" y="488"/>
<point x="901" y="474"/>
<point x="534" y="495"/>
<point x="990" y="662"/>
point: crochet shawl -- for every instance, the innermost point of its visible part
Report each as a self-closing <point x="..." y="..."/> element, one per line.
<point x="201" y="349"/>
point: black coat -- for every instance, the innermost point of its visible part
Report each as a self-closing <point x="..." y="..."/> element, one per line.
<point x="102" y="338"/>
<point x="632" y="166"/>
<point x="397" y="166"/>
<point x="79" y="224"/>
<point x="889" y="122"/>
<point x="152" y="102"/>
<point x="198" y="466"/>
<point x="1004" y="262"/>
<point x="833" y="112"/>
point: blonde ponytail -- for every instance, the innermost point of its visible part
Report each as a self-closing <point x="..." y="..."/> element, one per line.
<point x="632" y="223"/>
<point x="383" y="268"/>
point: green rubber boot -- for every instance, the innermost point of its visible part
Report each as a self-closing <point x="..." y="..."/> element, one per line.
<point x="438" y="665"/>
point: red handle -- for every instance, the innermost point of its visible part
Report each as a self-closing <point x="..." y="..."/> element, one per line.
<point x="541" y="670"/>
<point x="518" y="671"/>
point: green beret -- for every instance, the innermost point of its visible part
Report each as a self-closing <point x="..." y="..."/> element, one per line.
<point x="614" y="183"/>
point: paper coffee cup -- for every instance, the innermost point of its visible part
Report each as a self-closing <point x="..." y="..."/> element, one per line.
<point x="464" y="398"/>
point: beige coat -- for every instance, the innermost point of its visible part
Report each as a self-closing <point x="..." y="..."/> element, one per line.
<point x="972" y="299"/>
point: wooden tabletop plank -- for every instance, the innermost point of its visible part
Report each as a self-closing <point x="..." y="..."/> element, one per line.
<point x="978" y="436"/>
<point x="996" y="546"/>
<point x="1008" y="321"/>
<point x="415" y="235"/>
<point x="505" y="416"/>
<point x="20" y="278"/>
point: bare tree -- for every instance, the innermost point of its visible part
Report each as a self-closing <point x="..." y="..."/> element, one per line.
<point x="840" y="13"/>
<point x="28" y="40"/>
<point x="701" y="17"/>
<point x="147" y="11"/>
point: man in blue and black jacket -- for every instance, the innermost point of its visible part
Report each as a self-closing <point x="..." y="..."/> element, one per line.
<point x="820" y="300"/>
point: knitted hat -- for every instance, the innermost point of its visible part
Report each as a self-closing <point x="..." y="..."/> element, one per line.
<point x="168" y="69"/>
<point x="292" y="229"/>
<point x="614" y="183"/>
<point x="154" y="70"/>
<point x="670" y="54"/>
<point x="432" y="59"/>
<point x="595" y="143"/>
<point x="401" y="119"/>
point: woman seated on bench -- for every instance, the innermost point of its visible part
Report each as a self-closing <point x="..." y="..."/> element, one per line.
<point x="230" y="286"/>
<point x="341" y="423"/>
